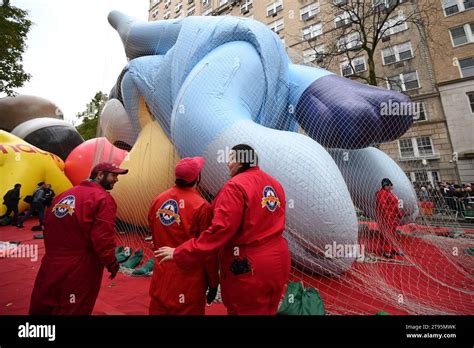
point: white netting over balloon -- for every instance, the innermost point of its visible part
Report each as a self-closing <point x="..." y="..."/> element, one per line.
<point x="201" y="85"/>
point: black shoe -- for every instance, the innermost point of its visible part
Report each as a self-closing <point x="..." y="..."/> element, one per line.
<point x="37" y="228"/>
<point x="399" y="253"/>
<point x="388" y="255"/>
<point x="20" y="226"/>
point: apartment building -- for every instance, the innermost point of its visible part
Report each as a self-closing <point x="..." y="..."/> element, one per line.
<point x="403" y="61"/>
<point x="454" y="72"/>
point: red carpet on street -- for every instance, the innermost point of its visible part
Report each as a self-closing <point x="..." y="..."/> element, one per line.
<point x="427" y="281"/>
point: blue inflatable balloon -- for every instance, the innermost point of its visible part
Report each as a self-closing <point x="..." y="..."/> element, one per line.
<point x="214" y="82"/>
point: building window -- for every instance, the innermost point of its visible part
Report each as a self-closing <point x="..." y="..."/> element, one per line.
<point x="349" y="41"/>
<point x="223" y="2"/>
<point x="246" y="6"/>
<point x="191" y="11"/>
<point x="309" y="11"/>
<point x="154" y="3"/>
<point x="355" y="67"/>
<point x="397" y="53"/>
<point x="385" y="4"/>
<point x="462" y="35"/>
<point x="178" y="7"/>
<point x="420" y="113"/>
<point x="467" y="67"/>
<point x="312" y="31"/>
<point x="394" y="25"/>
<point x="404" y="82"/>
<point x="406" y="148"/>
<point x="154" y="14"/>
<point x="167" y="15"/>
<point x="339" y="2"/>
<point x="413" y="148"/>
<point x="274" y="8"/>
<point x="425" y="148"/>
<point x="470" y="96"/>
<point x="343" y="19"/>
<point x="455" y="6"/>
<point x="424" y="177"/>
<point x="205" y="3"/>
<point x="277" y="25"/>
<point x="458" y="36"/>
<point x="421" y="177"/>
<point x="313" y="54"/>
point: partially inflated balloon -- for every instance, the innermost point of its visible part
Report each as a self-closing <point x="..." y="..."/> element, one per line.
<point x="80" y="161"/>
<point x="56" y="136"/>
<point x="19" y="109"/>
<point x="25" y="164"/>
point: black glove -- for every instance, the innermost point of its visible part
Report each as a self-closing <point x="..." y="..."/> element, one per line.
<point x="211" y="295"/>
<point x="113" y="269"/>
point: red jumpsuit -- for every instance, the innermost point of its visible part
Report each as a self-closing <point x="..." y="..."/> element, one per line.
<point x="175" y="216"/>
<point x="79" y="237"/>
<point x="388" y="216"/>
<point x="248" y="222"/>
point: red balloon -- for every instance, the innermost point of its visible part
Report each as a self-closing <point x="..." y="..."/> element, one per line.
<point x="80" y="161"/>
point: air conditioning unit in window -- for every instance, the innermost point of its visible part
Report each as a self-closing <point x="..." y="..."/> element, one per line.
<point x="385" y="38"/>
<point x="244" y="11"/>
<point x="399" y="65"/>
<point x="469" y="4"/>
<point x="347" y="71"/>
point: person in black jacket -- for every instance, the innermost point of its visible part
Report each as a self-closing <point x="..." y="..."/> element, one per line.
<point x="37" y="205"/>
<point x="11" y="200"/>
<point x="48" y="196"/>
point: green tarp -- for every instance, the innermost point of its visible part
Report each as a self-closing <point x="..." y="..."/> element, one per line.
<point x="300" y="301"/>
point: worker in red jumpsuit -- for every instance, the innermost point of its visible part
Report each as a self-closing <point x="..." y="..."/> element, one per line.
<point x="248" y="223"/>
<point x="79" y="237"/>
<point x="388" y="215"/>
<point x="176" y="216"/>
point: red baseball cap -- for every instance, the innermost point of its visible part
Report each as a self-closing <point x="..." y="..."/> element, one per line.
<point x="109" y="167"/>
<point x="188" y="168"/>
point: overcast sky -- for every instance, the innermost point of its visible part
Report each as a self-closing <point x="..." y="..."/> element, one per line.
<point x="73" y="52"/>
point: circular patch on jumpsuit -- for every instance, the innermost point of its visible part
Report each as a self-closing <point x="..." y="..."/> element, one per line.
<point x="64" y="207"/>
<point x="270" y="199"/>
<point x="169" y="213"/>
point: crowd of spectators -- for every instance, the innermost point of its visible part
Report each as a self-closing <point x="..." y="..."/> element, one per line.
<point x="445" y="195"/>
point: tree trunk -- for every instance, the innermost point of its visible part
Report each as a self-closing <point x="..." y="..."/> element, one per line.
<point x="372" y="72"/>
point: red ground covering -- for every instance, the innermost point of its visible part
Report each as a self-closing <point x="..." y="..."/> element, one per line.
<point x="418" y="280"/>
<point x="434" y="282"/>
<point x="123" y="295"/>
